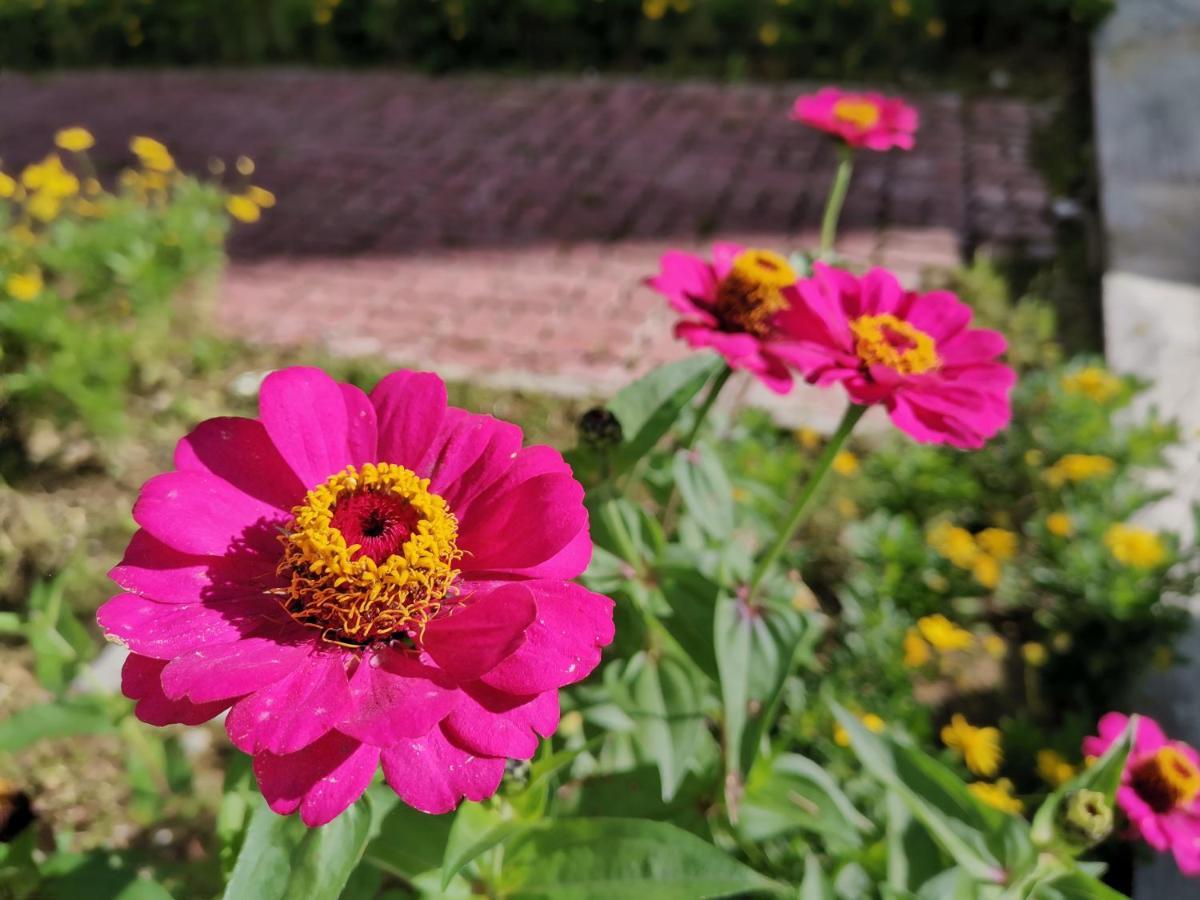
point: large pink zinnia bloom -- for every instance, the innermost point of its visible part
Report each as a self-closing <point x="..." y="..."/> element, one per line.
<point x="1160" y="787"/>
<point x="731" y="305"/>
<point x="360" y="580"/>
<point x="867" y="119"/>
<point x="913" y="353"/>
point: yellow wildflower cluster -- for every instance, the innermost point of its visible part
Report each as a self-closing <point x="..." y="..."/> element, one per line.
<point x="323" y="11"/>
<point x="1093" y="382"/>
<point x="845" y="463"/>
<point x="998" y="795"/>
<point x="657" y="9"/>
<point x="1053" y="768"/>
<point x="1060" y="524"/>
<point x="871" y="722"/>
<point x="980" y="554"/>
<point x="979" y="747"/>
<point x="1075" y="467"/>
<point x="931" y="633"/>
<point x="1138" y="548"/>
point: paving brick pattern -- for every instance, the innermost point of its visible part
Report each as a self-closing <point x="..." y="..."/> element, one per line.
<point x="499" y="228"/>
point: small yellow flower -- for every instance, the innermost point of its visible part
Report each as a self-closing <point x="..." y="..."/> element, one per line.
<point x="916" y="651"/>
<point x="1139" y="548"/>
<point x="995" y="646"/>
<point x="245" y="165"/>
<point x="260" y="196"/>
<point x="809" y="438"/>
<point x="1079" y="467"/>
<point x="998" y="796"/>
<point x="8" y="185"/>
<point x="1060" y="524"/>
<point x="1033" y="458"/>
<point x="22" y="234"/>
<point x="999" y="542"/>
<point x="1053" y="769"/>
<point x="871" y="722"/>
<point x="152" y="154"/>
<point x="944" y="635"/>
<point x="92" y="186"/>
<point x="1034" y="653"/>
<point x="845" y="463"/>
<point x="44" y="206"/>
<point x="25" y="285"/>
<point x="901" y="9"/>
<point x="243" y="208"/>
<point x="1093" y="382"/>
<point x="768" y="34"/>
<point x="980" y="747"/>
<point x="75" y="140"/>
<point x="1062" y="641"/>
<point x="986" y="570"/>
<point x="935" y="28"/>
<point x="654" y="9"/>
<point x="954" y="543"/>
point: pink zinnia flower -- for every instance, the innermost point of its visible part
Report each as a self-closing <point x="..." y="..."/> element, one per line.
<point x="732" y="305"/>
<point x="860" y="119"/>
<point x="1160" y="787"/>
<point x="912" y="353"/>
<point x="360" y="581"/>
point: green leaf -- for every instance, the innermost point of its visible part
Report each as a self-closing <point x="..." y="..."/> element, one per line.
<point x="582" y="859"/>
<point x="1075" y="885"/>
<point x="409" y="843"/>
<point x="648" y="408"/>
<point x="476" y="830"/>
<point x="281" y="859"/>
<point x="143" y="889"/>
<point x="65" y="718"/>
<point x="668" y="717"/>
<point x="793" y="793"/>
<point x="1104" y="775"/>
<point x="693" y="601"/>
<point x="959" y="822"/>
<point x="912" y="856"/>
<point x="815" y="885"/>
<point x="706" y="490"/>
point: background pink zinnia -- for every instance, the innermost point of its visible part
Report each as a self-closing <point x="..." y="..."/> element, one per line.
<point x="913" y="353"/>
<point x="360" y="581"/>
<point x="731" y="305"/>
<point x="865" y="119"/>
<point x="1160" y="787"/>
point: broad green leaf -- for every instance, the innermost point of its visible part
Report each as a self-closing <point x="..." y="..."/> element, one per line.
<point x="693" y="601"/>
<point x="792" y="793"/>
<point x="815" y="885"/>
<point x="935" y="796"/>
<point x="409" y="843"/>
<point x="1075" y="885"/>
<point x="599" y="859"/>
<point x="143" y="889"/>
<point x="1104" y="775"/>
<point x="648" y="408"/>
<point x="912" y="856"/>
<point x="476" y="830"/>
<point x="668" y="717"/>
<point x="706" y="490"/>
<point x="64" y="718"/>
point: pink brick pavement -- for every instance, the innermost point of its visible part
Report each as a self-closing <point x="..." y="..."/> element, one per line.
<point x="498" y="229"/>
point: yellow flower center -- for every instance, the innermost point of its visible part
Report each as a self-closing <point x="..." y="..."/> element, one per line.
<point x="369" y="555"/>
<point x="856" y="111"/>
<point x="752" y="292"/>
<point x="884" y="340"/>
<point x="1166" y="780"/>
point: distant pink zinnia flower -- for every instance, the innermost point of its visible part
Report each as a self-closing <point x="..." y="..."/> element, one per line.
<point x="1160" y="788"/>
<point x="860" y="119"/>
<point x="913" y="353"/>
<point x="732" y="305"/>
<point x="360" y="581"/>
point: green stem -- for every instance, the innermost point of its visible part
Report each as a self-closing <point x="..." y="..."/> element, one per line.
<point x="710" y="400"/>
<point x="800" y="508"/>
<point x="837" y="196"/>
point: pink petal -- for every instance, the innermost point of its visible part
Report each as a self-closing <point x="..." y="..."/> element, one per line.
<point x="522" y="465"/>
<point x="431" y="775"/>
<point x="477" y="635"/>
<point x="152" y="569"/>
<point x="939" y="314"/>
<point x="1150" y="736"/>
<point x="322" y="780"/>
<point x="491" y="723"/>
<point x="395" y="697"/>
<point x="410" y="407"/>
<point x="1183" y="833"/>
<point x="240" y="452"/>
<point x="294" y="711"/>
<point x="361" y="427"/>
<point x="470" y="454"/>
<point x="167" y="630"/>
<point x="524" y="526"/>
<point x="238" y="668"/>
<point x="684" y="280"/>
<point x="140" y="681"/>
<point x="724" y="253"/>
<point x="562" y="646"/>
<point x="304" y="412"/>
<point x="976" y="345"/>
<point x="201" y="514"/>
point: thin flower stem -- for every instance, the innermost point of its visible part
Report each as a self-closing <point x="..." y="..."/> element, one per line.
<point x="710" y="400"/>
<point x="799" y="510"/>
<point x="837" y="196"/>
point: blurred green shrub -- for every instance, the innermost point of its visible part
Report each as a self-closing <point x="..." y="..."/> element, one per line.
<point x="808" y="38"/>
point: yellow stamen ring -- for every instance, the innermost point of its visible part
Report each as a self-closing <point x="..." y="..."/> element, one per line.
<point x="885" y="340"/>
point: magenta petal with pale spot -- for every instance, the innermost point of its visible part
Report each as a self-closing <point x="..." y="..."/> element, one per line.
<point x="443" y="674"/>
<point x="867" y="119"/>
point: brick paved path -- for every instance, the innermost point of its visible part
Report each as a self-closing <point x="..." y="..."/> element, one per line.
<point x="499" y="228"/>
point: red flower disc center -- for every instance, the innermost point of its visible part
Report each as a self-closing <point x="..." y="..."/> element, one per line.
<point x="379" y="522"/>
